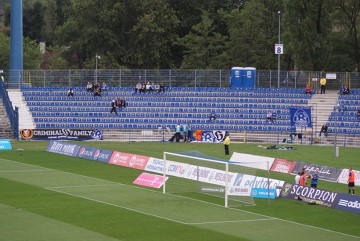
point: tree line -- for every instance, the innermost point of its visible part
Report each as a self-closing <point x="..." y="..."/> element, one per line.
<point x="317" y="35"/>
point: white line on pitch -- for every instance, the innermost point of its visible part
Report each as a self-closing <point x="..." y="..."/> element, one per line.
<point x="233" y="221"/>
<point x="115" y="205"/>
<point x="238" y="210"/>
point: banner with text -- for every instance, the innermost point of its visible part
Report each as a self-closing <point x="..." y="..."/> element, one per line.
<point x="64" y="148"/>
<point x="283" y="166"/>
<point x="310" y="195"/>
<point x="129" y="160"/>
<point x="324" y="172"/>
<point x="61" y="134"/>
<point x="5" y="144"/>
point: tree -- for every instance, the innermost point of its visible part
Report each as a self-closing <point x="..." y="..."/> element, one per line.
<point x="348" y="18"/>
<point x="204" y="48"/>
<point x="308" y="28"/>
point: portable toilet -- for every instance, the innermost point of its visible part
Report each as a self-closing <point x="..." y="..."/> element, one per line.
<point x="248" y="76"/>
<point x="236" y="77"/>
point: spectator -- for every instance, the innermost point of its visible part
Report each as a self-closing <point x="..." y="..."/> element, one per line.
<point x="138" y="87"/>
<point x="189" y="133"/>
<point x="358" y="112"/>
<point x="308" y="89"/>
<point x="152" y="87"/>
<point x="345" y="90"/>
<point x="177" y="132"/>
<point x="113" y="106"/>
<point x="227" y="143"/>
<point x="271" y="116"/>
<point x="121" y="103"/>
<point x="89" y="87"/>
<point x="148" y="87"/>
<point x="185" y="131"/>
<point x="162" y="88"/>
<point x="314" y="179"/>
<point x="324" y="129"/>
<point x="322" y="85"/>
<point x="103" y="86"/>
<point x="157" y="88"/>
<point x="143" y="87"/>
<point x="212" y="116"/>
<point x="70" y="93"/>
<point x="97" y="91"/>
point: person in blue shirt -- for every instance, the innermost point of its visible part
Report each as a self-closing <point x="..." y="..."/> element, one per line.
<point x="185" y="130"/>
<point x="314" y="179"/>
<point x="212" y="116"/>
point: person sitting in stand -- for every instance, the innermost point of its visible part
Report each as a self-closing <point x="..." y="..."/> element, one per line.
<point x="89" y="87"/>
<point x="358" y="112"/>
<point x="212" y="116"/>
<point x="70" y="93"/>
<point x="148" y="87"/>
<point x="162" y="88"/>
<point x="97" y="92"/>
<point x="308" y="89"/>
<point x="121" y="103"/>
<point x="138" y="87"/>
<point x="345" y="90"/>
<point x="324" y="129"/>
<point x="103" y="86"/>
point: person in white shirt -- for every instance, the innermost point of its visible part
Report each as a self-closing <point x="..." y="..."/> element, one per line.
<point x="297" y="179"/>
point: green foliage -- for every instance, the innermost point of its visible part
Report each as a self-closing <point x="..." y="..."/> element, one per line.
<point x="317" y="35"/>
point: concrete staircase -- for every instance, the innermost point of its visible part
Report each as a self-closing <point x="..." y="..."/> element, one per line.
<point x="323" y="106"/>
<point x="5" y="129"/>
<point x="25" y="117"/>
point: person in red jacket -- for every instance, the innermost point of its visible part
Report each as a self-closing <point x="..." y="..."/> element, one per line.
<point x="351" y="181"/>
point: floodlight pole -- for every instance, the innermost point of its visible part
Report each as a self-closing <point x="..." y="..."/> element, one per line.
<point x="279" y="42"/>
<point x="97" y="57"/>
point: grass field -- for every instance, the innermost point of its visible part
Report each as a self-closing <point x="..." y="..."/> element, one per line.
<point x="45" y="196"/>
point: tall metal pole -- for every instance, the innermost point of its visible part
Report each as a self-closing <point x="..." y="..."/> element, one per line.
<point x="279" y="42"/>
<point x="97" y="57"/>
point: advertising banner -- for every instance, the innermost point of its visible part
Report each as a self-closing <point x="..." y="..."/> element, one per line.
<point x="324" y="172"/>
<point x="311" y="195"/>
<point x="300" y="116"/>
<point x="150" y="180"/>
<point x="210" y="136"/>
<point x="129" y="160"/>
<point x="349" y="203"/>
<point x="63" y="148"/>
<point x="103" y="156"/>
<point x="60" y="134"/>
<point x="90" y="153"/>
<point x="249" y="181"/>
<point x="5" y="144"/>
<point x="344" y="175"/>
<point x="263" y="193"/>
<point x="283" y="166"/>
<point x="155" y="165"/>
<point x="254" y="161"/>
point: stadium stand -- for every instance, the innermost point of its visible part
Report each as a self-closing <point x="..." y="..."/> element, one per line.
<point x="236" y="109"/>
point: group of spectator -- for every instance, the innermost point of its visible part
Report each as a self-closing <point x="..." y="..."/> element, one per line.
<point x="182" y="132"/>
<point x="117" y="103"/>
<point x="96" y="88"/>
<point x="142" y="87"/>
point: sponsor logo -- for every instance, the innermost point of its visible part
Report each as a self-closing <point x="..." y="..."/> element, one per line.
<point x="349" y="204"/>
<point x="97" y="154"/>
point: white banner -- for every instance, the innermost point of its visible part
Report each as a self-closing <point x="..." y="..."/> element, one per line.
<point x="247" y="160"/>
<point x="343" y="178"/>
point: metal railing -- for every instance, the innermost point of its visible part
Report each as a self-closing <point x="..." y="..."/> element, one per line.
<point x="173" y="78"/>
<point x="12" y="114"/>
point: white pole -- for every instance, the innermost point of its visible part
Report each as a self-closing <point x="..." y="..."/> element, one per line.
<point x="226" y="184"/>
<point x="164" y="172"/>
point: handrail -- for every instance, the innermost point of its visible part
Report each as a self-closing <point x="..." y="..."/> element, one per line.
<point x="12" y="114"/>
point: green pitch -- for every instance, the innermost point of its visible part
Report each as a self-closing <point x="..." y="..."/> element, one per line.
<point x="45" y="196"/>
